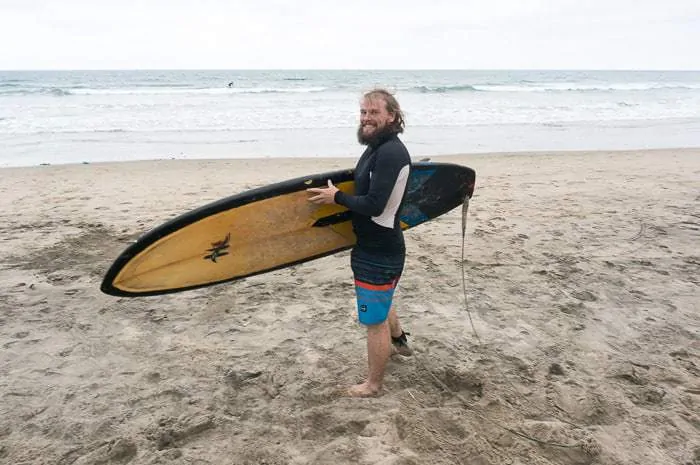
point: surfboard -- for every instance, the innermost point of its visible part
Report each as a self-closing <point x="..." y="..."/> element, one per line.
<point x="267" y="229"/>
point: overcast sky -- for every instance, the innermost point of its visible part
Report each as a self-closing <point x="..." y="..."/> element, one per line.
<point x="374" y="34"/>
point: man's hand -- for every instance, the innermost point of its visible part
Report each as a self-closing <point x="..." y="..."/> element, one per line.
<point x="324" y="195"/>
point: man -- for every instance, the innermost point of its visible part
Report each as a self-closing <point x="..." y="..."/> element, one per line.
<point x="378" y="257"/>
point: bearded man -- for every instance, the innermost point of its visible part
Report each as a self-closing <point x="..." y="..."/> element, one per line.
<point x="378" y="257"/>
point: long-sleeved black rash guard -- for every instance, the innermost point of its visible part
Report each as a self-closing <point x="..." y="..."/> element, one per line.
<point x="381" y="176"/>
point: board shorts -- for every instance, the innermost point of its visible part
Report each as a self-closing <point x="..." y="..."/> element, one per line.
<point x="376" y="278"/>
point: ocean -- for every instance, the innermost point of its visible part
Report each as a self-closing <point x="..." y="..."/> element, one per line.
<point x="55" y="117"/>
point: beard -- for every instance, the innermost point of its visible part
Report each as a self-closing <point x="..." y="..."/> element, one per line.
<point x="373" y="139"/>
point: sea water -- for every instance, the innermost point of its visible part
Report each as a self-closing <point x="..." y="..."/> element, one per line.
<point x="92" y="116"/>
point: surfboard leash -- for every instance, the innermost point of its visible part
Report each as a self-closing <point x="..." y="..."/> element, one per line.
<point x="480" y="415"/>
<point x="465" y="211"/>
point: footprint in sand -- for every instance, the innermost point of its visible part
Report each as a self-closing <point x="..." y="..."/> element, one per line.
<point x="319" y="425"/>
<point x="585" y="296"/>
<point x="462" y="381"/>
<point x="170" y="433"/>
<point x="120" y="450"/>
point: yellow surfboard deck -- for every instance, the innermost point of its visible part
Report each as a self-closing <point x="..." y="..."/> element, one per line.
<point x="264" y="234"/>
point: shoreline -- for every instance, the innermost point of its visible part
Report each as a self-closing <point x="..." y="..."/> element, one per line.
<point x="352" y="158"/>
<point x="339" y="142"/>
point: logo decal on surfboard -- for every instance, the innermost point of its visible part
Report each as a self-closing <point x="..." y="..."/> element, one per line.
<point x="218" y="249"/>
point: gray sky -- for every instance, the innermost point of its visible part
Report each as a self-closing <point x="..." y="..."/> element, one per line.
<point x="455" y="34"/>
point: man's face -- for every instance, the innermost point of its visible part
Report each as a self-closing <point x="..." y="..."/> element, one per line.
<point x="374" y="119"/>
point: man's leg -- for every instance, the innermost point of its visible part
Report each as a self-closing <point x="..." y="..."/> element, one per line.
<point x="399" y="343"/>
<point x="375" y="282"/>
<point x="378" y="352"/>
<point x="394" y="323"/>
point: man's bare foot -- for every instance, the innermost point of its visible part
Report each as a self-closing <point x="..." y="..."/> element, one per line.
<point x="364" y="390"/>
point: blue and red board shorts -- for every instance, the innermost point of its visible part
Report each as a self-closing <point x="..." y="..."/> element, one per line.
<point x="376" y="278"/>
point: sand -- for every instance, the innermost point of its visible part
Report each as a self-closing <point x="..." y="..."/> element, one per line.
<point x="581" y="272"/>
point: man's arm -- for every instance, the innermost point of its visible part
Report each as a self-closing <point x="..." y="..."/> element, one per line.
<point x="384" y="177"/>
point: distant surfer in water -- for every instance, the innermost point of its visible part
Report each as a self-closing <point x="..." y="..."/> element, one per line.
<point x="230" y="84"/>
<point x="377" y="260"/>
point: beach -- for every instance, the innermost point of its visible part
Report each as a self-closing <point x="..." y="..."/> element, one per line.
<point x="581" y="272"/>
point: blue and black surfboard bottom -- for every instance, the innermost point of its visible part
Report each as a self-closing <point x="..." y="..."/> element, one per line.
<point x="434" y="189"/>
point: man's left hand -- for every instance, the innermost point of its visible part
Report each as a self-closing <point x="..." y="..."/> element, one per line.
<point x="324" y="195"/>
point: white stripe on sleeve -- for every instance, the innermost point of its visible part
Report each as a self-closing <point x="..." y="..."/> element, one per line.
<point x="386" y="218"/>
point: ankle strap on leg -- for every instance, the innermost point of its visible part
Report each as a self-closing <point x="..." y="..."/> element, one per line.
<point x="401" y="340"/>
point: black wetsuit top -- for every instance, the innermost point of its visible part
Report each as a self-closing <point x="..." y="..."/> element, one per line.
<point x="381" y="176"/>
